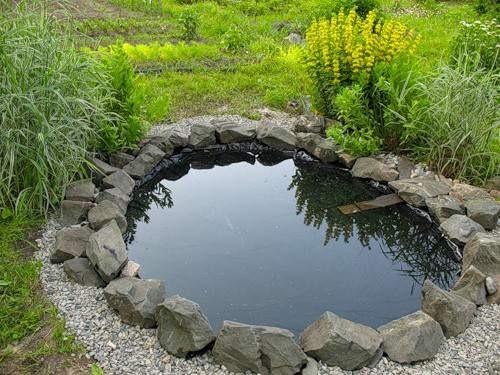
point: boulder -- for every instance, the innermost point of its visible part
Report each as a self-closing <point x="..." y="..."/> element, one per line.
<point x="483" y="252"/>
<point x="494" y="296"/>
<point x="347" y="160"/>
<point x="340" y="342"/>
<point x="131" y="269"/>
<point x="74" y="212"/>
<point x="107" y="251"/>
<point x="70" y="242"/>
<point x="373" y="169"/>
<point x="412" y="338"/>
<point x="309" y="124"/>
<point x="264" y="350"/>
<point x="148" y="158"/>
<point x="101" y="169"/>
<point x="443" y="206"/>
<point x="80" y="270"/>
<point x="135" y="300"/>
<point x="176" y="136"/>
<point x="115" y="196"/>
<point x="182" y="327"/>
<point x="120" y="180"/>
<point x="451" y="311"/>
<point x="460" y="229"/>
<point x="202" y="135"/>
<point x="484" y="212"/>
<point x="276" y="136"/>
<point x="321" y="148"/>
<point x="465" y="193"/>
<point x="472" y="286"/>
<point x="105" y="212"/>
<point x="120" y="159"/>
<point x="416" y="190"/>
<point x="294" y="38"/>
<point x="235" y="133"/>
<point x="82" y="190"/>
<point x="311" y="367"/>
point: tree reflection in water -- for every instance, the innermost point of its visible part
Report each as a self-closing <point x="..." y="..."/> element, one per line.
<point x="406" y="238"/>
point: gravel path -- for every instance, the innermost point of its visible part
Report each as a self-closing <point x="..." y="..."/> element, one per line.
<point x="121" y="349"/>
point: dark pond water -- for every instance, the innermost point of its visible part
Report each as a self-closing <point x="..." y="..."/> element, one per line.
<point x="265" y="244"/>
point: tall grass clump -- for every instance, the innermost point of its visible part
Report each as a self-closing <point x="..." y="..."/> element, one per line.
<point x="456" y="127"/>
<point x="52" y="101"/>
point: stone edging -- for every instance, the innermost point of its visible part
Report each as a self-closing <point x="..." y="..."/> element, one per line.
<point x="94" y="253"/>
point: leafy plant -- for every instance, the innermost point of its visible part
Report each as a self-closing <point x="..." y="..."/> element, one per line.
<point x="361" y="142"/>
<point x="189" y="22"/>
<point x="234" y="39"/>
<point x="487" y="6"/>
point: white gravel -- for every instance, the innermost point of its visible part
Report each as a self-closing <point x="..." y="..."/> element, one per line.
<point x="121" y="349"/>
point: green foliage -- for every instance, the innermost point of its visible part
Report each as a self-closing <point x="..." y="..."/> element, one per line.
<point x="129" y="128"/>
<point x="487" y="6"/>
<point x="96" y="370"/>
<point x="53" y="100"/>
<point x="327" y="8"/>
<point x="189" y="22"/>
<point x="234" y="39"/>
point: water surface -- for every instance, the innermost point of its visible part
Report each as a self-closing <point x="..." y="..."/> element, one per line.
<point x="264" y="243"/>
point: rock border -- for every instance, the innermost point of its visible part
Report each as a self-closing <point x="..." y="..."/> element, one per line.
<point x="94" y="220"/>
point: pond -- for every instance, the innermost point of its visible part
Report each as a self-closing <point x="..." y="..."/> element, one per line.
<point x="260" y="240"/>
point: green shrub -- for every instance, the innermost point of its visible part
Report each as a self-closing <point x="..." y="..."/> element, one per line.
<point x="327" y="8"/>
<point x="52" y="102"/>
<point x="487" y="6"/>
<point x="189" y="22"/>
<point x="234" y="39"/>
<point x="361" y="142"/>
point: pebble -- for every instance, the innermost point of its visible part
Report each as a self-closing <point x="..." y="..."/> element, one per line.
<point x="122" y="349"/>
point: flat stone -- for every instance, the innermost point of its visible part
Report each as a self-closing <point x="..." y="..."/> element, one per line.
<point x="321" y="148"/>
<point x="102" y="168"/>
<point x="416" y="190"/>
<point x="472" y="286"/>
<point x="347" y="160"/>
<point x="70" y="242"/>
<point x="483" y="252"/>
<point x="175" y="135"/>
<point x="340" y="342"/>
<point x="373" y="169"/>
<point x="80" y="270"/>
<point x="484" y="211"/>
<point x="131" y="269"/>
<point x="235" y="133"/>
<point x="460" y="229"/>
<point x="148" y="158"/>
<point x="107" y="251"/>
<point x="412" y="338"/>
<point x="202" y="135"/>
<point x="105" y="212"/>
<point x="135" y="300"/>
<point x="74" y="212"/>
<point x="82" y="190"/>
<point x="116" y="196"/>
<point x="120" y="159"/>
<point x="276" y="136"/>
<point x="264" y="350"/>
<point x="309" y="124"/>
<point x="451" y="311"/>
<point x="182" y="327"/>
<point x="465" y="192"/>
<point x="121" y="180"/>
<point x="495" y="297"/>
<point x="444" y="206"/>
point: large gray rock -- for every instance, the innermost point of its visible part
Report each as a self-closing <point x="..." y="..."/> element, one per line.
<point x="264" y="350"/>
<point x="131" y="269"/>
<point x="460" y="229"/>
<point x="107" y="251"/>
<point x="494" y="288"/>
<point x="483" y="252"/>
<point x="347" y="160"/>
<point x="202" y="135"/>
<point x="451" y="311"/>
<point x="276" y="136"/>
<point x="323" y="149"/>
<point x="472" y="286"/>
<point x="465" y="193"/>
<point x="416" y="190"/>
<point x="135" y="300"/>
<point x="182" y="327"/>
<point x="234" y="133"/>
<point x="120" y="180"/>
<point x="70" y="242"/>
<point x="102" y="168"/>
<point x="116" y="196"/>
<point x="442" y="207"/>
<point x="175" y="135"/>
<point x="105" y="212"/>
<point x="373" y="169"/>
<point x="311" y="367"/>
<point x="340" y="342"/>
<point x="484" y="212"/>
<point x="80" y="270"/>
<point x="74" y="212"/>
<point x="120" y="159"/>
<point x="412" y="338"/>
<point x="82" y="190"/>
<point x="148" y="158"/>
<point x="309" y="124"/>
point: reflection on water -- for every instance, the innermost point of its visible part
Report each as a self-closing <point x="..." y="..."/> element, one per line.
<point x="228" y="238"/>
